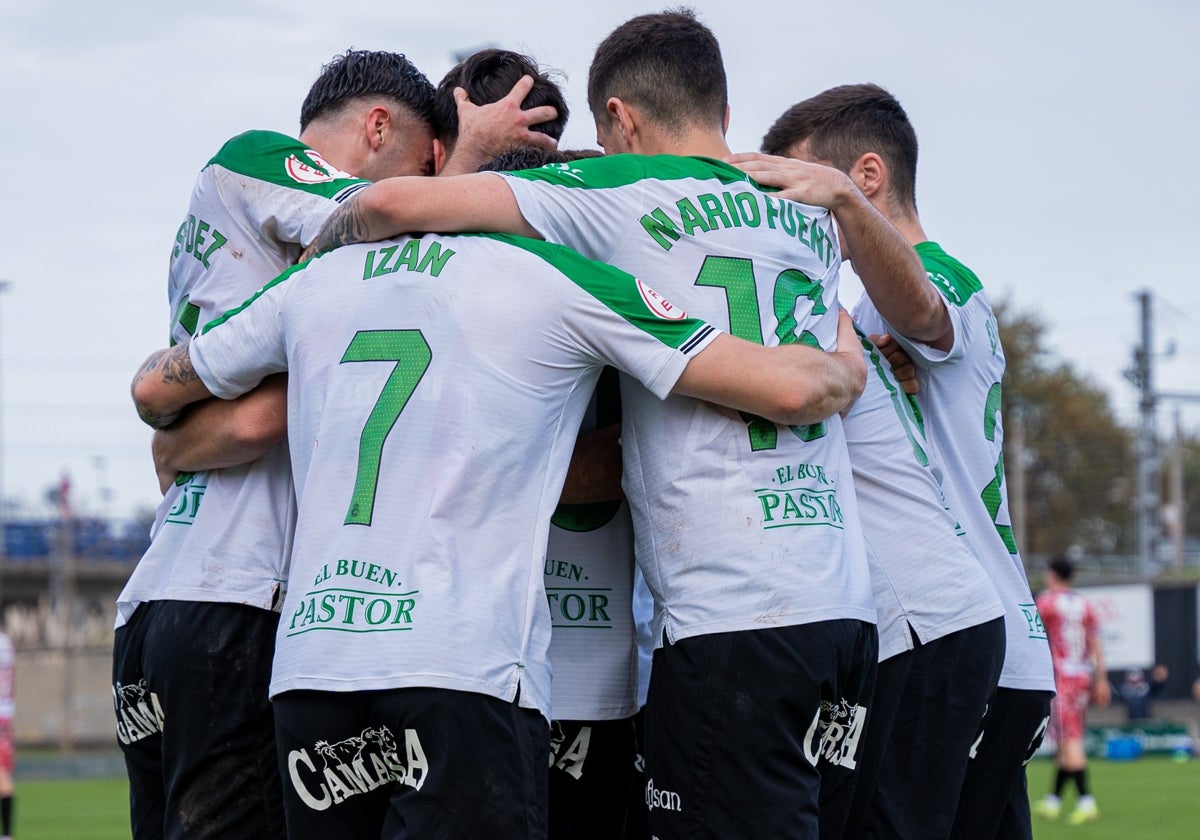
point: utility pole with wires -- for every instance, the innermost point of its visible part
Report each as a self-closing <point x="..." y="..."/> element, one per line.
<point x="1146" y="498"/>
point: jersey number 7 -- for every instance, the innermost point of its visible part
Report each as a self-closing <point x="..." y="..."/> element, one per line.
<point x="411" y="353"/>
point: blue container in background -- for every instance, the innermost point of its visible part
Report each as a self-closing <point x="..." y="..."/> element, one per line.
<point x="1122" y="749"/>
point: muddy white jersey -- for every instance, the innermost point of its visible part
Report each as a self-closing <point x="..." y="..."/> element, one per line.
<point x="225" y="535"/>
<point x="739" y="524"/>
<point x="433" y="404"/>
<point x="924" y="572"/>
<point x="960" y="401"/>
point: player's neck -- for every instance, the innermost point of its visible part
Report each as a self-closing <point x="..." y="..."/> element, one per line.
<point x="335" y="145"/>
<point x="904" y="218"/>
<point x="693" y="143"/>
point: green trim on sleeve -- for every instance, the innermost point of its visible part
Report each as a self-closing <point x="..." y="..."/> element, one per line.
<point x="285" y="276"/>
<point x="621" y="292"/>
<point x="623" y="170"/>
<point x="955" y="281"/>
<point x="283" y="161"/>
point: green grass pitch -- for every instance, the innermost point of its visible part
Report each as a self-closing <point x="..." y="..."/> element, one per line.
<point x="1148" y="799"/>
<point x="1152" y="798"/>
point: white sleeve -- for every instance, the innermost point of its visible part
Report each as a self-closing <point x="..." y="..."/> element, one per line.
<point x="589" y="220"/>
<point x="278" y="213"/>
<point x="923" y="355"/>
<point x="235" y="352"/>
<point x="628" y="331"/>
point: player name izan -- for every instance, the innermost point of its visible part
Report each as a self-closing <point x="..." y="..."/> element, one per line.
<point x="381" y="261"/>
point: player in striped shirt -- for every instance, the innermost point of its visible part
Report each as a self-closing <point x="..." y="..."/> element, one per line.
<point x="1079" y="677"/>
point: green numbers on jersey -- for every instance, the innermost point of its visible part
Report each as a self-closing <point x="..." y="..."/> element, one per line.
<point x="736" y="276"/>
<point x="187" y="316"/>
<point x="993" y="494"/>
<point x="902" y="403"/>
<point x="411" y="353"/>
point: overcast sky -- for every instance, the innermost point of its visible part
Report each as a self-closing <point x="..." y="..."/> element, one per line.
<point x="1057" y="144"/>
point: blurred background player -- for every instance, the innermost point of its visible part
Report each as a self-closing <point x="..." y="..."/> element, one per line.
<point x="1079" y="678"/>
<point x="943" y="320"/>
<point x="1138" y="693"/>
<point x="8" y="660"/>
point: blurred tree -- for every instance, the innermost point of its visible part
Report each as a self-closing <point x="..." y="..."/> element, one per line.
<point x="1078" y="459"/>
<point x="1191" y="485"/>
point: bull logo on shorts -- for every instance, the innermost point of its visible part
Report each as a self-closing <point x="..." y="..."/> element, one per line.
<point x="333" y="772"/>
<point x="834" y="734"/>
<point x="139" y="714"/>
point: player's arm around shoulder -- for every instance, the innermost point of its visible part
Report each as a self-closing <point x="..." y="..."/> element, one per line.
<point x="792" y="384"/>
<point x="412" y="204"/>
<point x="216" y="434"/>
<point x="883" y="258"/>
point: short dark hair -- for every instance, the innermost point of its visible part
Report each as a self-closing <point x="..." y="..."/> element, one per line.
<point x="523" y="157"/>
<point x="360" y="73"/>
<point x="488" y="76"/>
<point x="531" y="157"/>
<point x="572" y="155"/>
<point x="844" y="123"/>
<point x="1062" y="567"/>
<point x="668" y="65"/>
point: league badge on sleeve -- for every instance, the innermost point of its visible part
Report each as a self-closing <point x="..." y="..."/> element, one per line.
<point x="659" y="305"/>
<point x="316" y="171"/>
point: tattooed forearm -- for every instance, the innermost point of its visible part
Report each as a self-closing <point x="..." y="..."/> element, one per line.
<point x="346" y="226"/>
<point x="177" y="366"/>
<point x="155" y="420"/>
<point x="172" y="368"/>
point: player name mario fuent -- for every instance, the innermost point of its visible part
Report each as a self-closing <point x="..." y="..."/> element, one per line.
<point x="337" y="603"/>
<point x="708" y="212"/>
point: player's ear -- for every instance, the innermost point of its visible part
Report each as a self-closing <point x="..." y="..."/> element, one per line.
<point x="621" y="118"/>
<point x="440" y="153"/>
<point x="869" y="173"/>
<point x="377" y="122"/>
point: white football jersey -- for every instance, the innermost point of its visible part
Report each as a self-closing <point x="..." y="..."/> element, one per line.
<point x="435" y="389"/>
<point x="960" y="400"/>
<point x="740" y="524"/>
<point x="924" y="572"/>
<point x="589" y="588"/>
<point x="225" y="535"/>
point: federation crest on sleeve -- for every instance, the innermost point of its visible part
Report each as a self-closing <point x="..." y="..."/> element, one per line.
<point x="314" y="171"/>
<point x="659" y="305"/>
